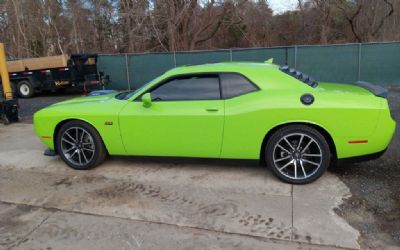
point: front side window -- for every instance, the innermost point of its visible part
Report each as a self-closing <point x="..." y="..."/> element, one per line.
<point x="188" y="88"/>
<point x="235" y="85"/>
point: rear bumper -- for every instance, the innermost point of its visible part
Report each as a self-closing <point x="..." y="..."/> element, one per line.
<point x="362" y="158"/>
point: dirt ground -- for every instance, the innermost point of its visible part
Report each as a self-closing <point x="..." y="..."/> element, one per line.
<point x="374" y="208"/>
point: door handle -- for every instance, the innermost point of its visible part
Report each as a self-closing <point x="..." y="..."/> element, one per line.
<point x="212" y="109"/>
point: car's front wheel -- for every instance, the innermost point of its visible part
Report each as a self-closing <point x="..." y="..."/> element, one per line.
<point x="297" y="154"/>
<point x="80" y="146"/>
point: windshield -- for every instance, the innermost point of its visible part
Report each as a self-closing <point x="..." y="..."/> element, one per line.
<point x="127" y="95"/>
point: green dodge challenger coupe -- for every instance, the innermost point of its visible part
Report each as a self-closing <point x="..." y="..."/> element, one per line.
<point x="297" y="126"/>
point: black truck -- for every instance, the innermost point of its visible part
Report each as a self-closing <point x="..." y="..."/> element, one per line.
<point x="79" y="73"/>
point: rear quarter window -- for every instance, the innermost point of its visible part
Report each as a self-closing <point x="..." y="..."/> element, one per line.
<point x="235" y="85"/>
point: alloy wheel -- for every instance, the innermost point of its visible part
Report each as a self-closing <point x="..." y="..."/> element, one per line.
<point x="297" y="156"/>
<point x="77" y="146"/>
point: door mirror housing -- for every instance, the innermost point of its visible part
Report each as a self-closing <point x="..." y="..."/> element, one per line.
<point x="146" y="100"/>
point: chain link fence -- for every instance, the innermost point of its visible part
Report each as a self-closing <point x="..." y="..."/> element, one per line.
<point x="378" y="63"/>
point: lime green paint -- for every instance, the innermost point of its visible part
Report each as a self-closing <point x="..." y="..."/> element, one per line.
<point x="173" y="128"/>
<point x="231" y="128"/>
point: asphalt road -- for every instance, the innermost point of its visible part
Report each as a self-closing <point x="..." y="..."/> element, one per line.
<point x="31" y="105"/>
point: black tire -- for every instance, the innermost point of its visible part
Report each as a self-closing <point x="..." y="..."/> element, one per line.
<point x="25" y="89"/>
<point x="95" y="141"/>
<point x="300" y="165"/>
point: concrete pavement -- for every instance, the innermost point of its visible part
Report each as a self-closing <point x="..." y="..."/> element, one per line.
<point x="153" y="203"/>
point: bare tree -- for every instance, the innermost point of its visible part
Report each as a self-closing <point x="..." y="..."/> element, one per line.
<point x="46" y="27"/>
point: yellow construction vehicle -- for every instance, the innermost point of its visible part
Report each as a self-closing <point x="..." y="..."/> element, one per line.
<point x="8" y="104"/>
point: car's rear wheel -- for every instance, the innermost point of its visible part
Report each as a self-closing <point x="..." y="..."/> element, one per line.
<point x="297" y="154"/>
<point x="80" y="146"/>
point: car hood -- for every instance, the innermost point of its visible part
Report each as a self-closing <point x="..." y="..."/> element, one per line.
<point x="85" y="106"/>
<point x="88" y="99"/>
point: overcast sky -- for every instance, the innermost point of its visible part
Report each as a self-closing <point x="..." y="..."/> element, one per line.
<point x="278" y="6"/>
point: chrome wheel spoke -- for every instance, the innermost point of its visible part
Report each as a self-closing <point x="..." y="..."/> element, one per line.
<point x="301" y="140"/>
<point x="302" y="169"/>
<point x="69" y="136"/>
<point x="70" y="157"/>
<point x="68" y="150"/>
<point x="286" y="165"/>
<point x="79" y="157"/>
<point x="88" y="149"/>
<point x="312" y="155"/>
<point x="84" y="156"/>
<point x="282" y="159"/>
<point x="67" y="141"/>
<point x="284" y="149"/>
<point x="308" y="145"/>
<point x="311" y="162"/>
<point x="288" y="143"/>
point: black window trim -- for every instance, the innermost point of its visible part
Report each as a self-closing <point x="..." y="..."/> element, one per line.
<point x="217" y="74"/>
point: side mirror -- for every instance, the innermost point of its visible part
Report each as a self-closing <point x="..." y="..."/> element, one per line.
<point x="146" y="100"/>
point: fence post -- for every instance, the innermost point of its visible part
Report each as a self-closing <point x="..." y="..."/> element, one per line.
<point x="174" y="59"/>
<point x="359" y="62"/>
<point x="230" y="54"/>
<point x="295" y="56"/>
<point x="286" y="56"/>
<point x="127" y="71"/>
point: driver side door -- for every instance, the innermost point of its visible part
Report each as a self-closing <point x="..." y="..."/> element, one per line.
<point x="185" y="118"/>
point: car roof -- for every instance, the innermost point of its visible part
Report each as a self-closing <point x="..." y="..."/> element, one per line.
<point x="254" y="71"/>
<point x="222" y="67"/>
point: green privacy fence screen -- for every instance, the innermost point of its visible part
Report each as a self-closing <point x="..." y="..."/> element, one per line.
<point x="378" y="63"/>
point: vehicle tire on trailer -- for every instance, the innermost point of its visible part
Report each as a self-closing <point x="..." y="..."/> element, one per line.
<point x="297" y="154"/>
<point x="25" y="89"/>
<point x="80" y="145"/>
